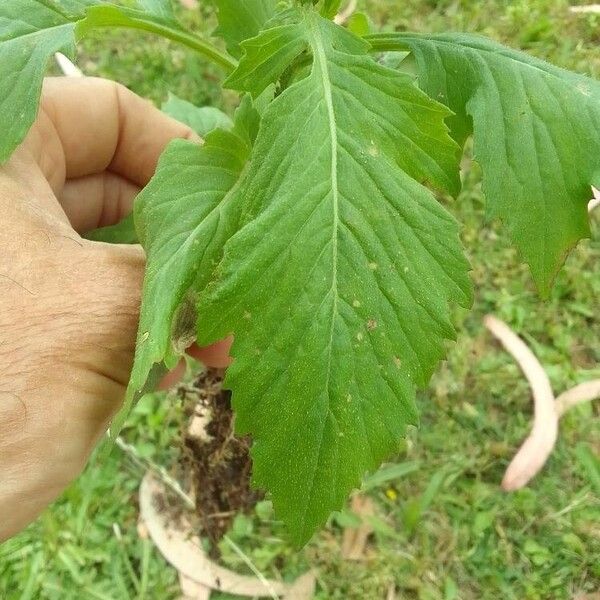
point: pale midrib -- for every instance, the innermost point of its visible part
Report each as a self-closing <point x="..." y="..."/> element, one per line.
<point x="321" y="59"/>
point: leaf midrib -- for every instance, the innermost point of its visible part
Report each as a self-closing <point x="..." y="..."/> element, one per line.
<point x="320" y="59"/>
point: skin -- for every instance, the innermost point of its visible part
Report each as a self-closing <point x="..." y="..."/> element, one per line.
<point x="70" y="307"/>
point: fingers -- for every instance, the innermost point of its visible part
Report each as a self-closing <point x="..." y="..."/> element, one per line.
<point x="173" y="378"/>
<point x="216" y="356"/>
<point x="100" y="125"/>
<point x="97" y="200"/>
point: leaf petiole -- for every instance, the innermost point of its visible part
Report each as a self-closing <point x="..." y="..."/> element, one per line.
<point x="380" y="42"/>
<point x="115" y="16"/>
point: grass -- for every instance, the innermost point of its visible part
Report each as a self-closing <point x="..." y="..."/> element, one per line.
<point x="443" y="529"/>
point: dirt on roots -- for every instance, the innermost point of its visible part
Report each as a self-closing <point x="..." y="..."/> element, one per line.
<point x="216" y="462"/>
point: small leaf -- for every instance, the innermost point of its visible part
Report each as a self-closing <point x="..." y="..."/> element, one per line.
<point x="266" y="57"/>
<point x="121" y="233"/>
<point x="330" y="8"/>
<point x="240" y="20"/>
<point x="338" y="288"/>
<point x="389" y="473"/>
<point x="201" y="119"/>
<point x="358" y="24"/>
<point x="537" y="137"/>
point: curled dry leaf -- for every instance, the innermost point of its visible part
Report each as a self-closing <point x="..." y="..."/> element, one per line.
<point x="590" y="8"/>
<point x="192" y="590"/>
<point x="536" y="449"/>
<point x="584" y="392"/>
<point x="67" y="66"/>
<point x="185" y="553"/>
<point x="303" y="588"/>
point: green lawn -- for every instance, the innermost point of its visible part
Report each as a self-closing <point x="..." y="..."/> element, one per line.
<point x="444" y="530"/>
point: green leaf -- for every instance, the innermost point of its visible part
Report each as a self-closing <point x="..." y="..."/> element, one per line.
<point x="183" y="217"/>
<point x="537" y="137"/>
<point x="121" y="233"/>
<point x="339" y="286"/>
<point x="266" y="57"/>
<point x="389" y="473"/>
<point x="202" y="120"/>
<point x="589" y="464"/>
<point x="240" y="20"/>
<point x="31" y="31"/>
<point x="330" y="8"/>
<point x="358" y="23"/>
<point x="161" y="8"/>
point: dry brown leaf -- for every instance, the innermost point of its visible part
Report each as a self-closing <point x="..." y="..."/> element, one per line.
<point x="192" y="590"/>
<point x="303" y="588"/>
<point x="590" y="8"/>
<point x="536" y="449"/>
<point x="584" y="392"/>
<point x="185" y="553"/>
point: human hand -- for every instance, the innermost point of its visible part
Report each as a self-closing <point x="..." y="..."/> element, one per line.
<point x="70" y="307"/>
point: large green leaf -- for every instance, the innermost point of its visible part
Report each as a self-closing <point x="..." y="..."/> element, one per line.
<point x="242" y="19"/>
<point x="537" y="137"/>
<point x="183" y="219"/>
<point x="339" y="286"/>
<point x="31" y="31"/>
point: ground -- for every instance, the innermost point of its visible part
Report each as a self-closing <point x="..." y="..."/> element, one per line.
<point x="444" y="530"/>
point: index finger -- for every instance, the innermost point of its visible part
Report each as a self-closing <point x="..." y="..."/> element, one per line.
<point x="88" y="125"/>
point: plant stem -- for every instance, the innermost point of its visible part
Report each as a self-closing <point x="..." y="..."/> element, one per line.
<point x="113" y="16"/>
<point x="190" y="40"/>
<point x="380" y="42"/>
